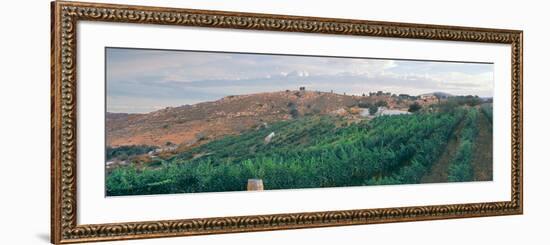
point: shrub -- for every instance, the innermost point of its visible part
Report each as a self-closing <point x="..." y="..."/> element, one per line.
<point x="373" y="109"/>
<point x="125" y="152"/>
<point x="414" y="107"/>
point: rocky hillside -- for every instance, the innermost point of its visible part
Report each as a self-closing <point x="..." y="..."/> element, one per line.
<point x="191" y="125"/>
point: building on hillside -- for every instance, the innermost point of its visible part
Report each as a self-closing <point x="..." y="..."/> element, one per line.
<point x="384" y="111"/>
<point x="166" y="148"/>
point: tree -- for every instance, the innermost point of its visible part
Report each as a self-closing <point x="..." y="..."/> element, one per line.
<point x="293" y="110"/>
<point x="363" y="104"/>
<point x="294" y="113"/>
<point x="448" y="106"/>
<point x="415" y="107"/>
<point x="373" y="109"/>
<point x="381" y="103"/>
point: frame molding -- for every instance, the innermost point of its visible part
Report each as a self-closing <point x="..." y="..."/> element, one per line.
<point x="66" y="15"/>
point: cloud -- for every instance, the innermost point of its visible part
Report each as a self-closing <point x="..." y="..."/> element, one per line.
<point x="143" y="80"/>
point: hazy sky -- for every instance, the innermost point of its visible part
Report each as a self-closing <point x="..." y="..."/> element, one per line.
<point x="146" y="80"/>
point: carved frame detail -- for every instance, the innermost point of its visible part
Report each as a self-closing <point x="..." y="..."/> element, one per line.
<point x="65" y="16"/>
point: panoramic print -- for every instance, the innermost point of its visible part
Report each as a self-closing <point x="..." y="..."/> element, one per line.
<point x="196" y="121"/>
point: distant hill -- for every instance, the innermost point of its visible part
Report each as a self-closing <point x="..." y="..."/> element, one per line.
<point x="189" y="124"/>
<point x="439" y="94"/>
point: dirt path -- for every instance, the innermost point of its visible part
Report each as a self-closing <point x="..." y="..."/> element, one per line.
<point x="482" y="161"/>
<point x="439" y="171"/>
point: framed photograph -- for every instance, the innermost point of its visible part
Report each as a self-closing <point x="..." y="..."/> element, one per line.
<point x="175" y="122"/>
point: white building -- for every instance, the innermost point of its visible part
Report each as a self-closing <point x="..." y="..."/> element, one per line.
<point x="383" y="111"/>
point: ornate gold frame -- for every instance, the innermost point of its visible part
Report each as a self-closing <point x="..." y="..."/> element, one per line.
<point x="65" y="15"/>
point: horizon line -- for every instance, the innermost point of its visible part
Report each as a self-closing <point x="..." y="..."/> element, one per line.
<point x="342" y="94"/>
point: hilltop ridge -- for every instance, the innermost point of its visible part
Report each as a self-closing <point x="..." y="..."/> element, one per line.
<point x="192" y="124"/>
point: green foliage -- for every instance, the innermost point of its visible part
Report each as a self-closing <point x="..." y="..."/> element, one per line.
<point x="373" y="109"/>
<point x="468" y="100"/>
<point x="381" y="103"/>
<point x="414" y="107"/>
<point x="308" y="152"/>
<point x="461" y="167"/>
<point x="448" y="106"/>
<point x="487" y="110"/>
<point x="124" y="152"/>
<point x="294" y="113"/>
<point x="364" y="104"/>
<point x="293" y="110"/>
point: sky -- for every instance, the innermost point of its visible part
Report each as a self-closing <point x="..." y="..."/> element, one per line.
<point x="144" y="80"/>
